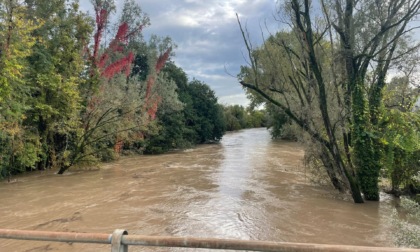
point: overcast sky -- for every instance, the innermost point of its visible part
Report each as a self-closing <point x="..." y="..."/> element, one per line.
<point x="208" y="37"/>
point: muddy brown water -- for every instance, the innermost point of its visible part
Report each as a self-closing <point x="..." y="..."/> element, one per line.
<point x="247" y="187"/>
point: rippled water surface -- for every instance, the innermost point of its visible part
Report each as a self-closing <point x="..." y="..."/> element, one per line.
<point x="246" y="187"/>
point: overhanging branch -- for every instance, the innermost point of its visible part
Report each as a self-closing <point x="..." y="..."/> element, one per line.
<point x="287" y="110"/>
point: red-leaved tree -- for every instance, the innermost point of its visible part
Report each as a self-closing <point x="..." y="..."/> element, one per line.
<point x="153" y="100"/>
<point x="115" y="59"/>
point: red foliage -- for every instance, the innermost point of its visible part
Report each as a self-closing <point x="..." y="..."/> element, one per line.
<point x="118" y="66"/>
<point x="109" y="69"/>
<point x="162" y="60"/>
<point x="119" y="49"/>
<point x="128" y="67"/>
<point x="101" y="19"/>
<point x="135" y="31"/>
<point x="102" y="61"/>
<point x="153" y="109"/>
<point x="103" y="64"/>
<point x="151" y="81"/>
<point x="118" y="44"/>
<point x="120" y="38"/>
<point x="159" y="65"/>
<point x="122" y="33"/>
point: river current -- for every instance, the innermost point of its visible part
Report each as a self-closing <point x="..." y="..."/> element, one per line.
<point x="246" y="187"/>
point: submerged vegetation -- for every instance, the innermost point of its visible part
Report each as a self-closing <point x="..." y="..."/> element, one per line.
<point x="407" y="228"/>
<point x="75" y="90"/>
<point x="342" y="78"/>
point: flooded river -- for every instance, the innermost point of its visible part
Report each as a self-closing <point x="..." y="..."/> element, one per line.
<point x="246" y="187"/>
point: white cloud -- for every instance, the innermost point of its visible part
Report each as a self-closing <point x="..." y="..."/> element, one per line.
<point x="209" y="40"/>
<point x="208" y="36"/>
<point x="239" y="99"/>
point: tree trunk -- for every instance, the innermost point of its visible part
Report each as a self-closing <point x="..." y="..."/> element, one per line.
<point x="331" y="171"/>
<point x="355" y="190"/>
<point x="63" y="169"/>
<point x="353" y="183"/>
<point x="366" y="160"/>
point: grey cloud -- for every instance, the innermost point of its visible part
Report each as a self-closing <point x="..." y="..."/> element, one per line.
<point x="208" y="37"/>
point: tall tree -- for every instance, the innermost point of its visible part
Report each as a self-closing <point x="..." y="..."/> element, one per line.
<point x="174" y="132"/>
<point x="117" y="105"/>
<point x="56" y="65"/>
<point x="336" y="71"/>
<point x="20" y="144"/>
<point x="207" y="115"/>
<point x="104" y="105"/>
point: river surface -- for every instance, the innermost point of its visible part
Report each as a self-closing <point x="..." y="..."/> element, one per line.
<point x="247" y="187"/>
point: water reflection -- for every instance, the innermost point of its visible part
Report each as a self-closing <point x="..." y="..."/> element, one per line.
<point x="246" y="187"/>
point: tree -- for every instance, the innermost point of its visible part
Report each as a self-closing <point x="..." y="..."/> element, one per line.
<point x="256" y="118"/>
<point x="173" y="132"/>
<point x="235" y="117"/>
<point x="332" y="84"/>
<point x="56" y="65"/>
<point x="117" y="106"/>
<point x="20" y="144"/>
<point x="207" y="116"/>
<point x="202" y="115"/>
<point x="170" y="121"/>
<point x="401" y="94"/>
<point x="69" y="98"/>
<point x="195" y="118"/>
<point x="281" y="127"/>
<point x="400" y="135"/>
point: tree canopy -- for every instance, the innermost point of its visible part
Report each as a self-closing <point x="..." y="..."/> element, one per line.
<point x="76" y="89"/>
<point x="327" y="72"/>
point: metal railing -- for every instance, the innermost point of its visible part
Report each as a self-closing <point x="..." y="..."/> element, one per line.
<point x="120" y="240"/>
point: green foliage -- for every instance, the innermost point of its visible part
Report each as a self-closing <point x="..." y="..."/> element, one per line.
<point x="193" y="119"/>
<point x="400" y="94"/>
<point x="170" y="120"/>
<point x="20" y="145"/>
<point x="400" y="136"/>
<point x="331" y="83"/>
<point x="256" y="118"/>
<point x="68" y="98"/>
<point x="170" y="135"/>
<point x="281" y="127"/>
<point x="401" y="129"/>
<point x="206" y="116"/>
<point x="365" y="157"/>
<point x="56" y="64"/>
<point x="184" y="135"/>
<point x="237" y="117"/>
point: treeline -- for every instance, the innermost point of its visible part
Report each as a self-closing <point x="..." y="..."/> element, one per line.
<point x="197" y="119"/>
<point x="237" y="117"/>
<point x="76" y="89"/>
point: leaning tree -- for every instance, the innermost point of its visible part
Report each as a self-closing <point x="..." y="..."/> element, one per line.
<point x="327" y="71"/>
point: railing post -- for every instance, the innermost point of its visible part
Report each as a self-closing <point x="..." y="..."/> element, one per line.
<point x="116" y="245"/>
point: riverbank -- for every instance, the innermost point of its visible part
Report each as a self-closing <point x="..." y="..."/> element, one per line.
<point x="227" y="190"/>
